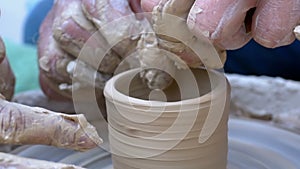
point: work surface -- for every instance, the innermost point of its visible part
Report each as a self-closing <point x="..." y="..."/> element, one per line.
<point x="273" y="100"/>
<point x="252" y="144"/>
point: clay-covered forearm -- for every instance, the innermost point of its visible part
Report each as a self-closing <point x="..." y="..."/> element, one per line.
<point x="20" y="124"/>
<point x="7" y="78"/>
<point x="15" y="162"/>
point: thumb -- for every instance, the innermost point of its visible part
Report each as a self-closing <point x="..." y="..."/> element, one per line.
<point x="135" y="6"/>
<point x="148" y="5"/>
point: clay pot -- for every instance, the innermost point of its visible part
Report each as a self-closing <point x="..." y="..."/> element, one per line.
<point x="184" y="126"/>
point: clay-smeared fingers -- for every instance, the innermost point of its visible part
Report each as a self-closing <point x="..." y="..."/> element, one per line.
<point x="274" y="22"/>
<point x="70" y="27"/>
<point x="50" y="56"/>
<point x="62" y="37"/>
<point x="221" y="21"/>
<point x="72" y="30"/>
<point x="116" y="22"/>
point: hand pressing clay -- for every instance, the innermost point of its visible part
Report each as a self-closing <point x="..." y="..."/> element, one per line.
<point x="112" y="12"/>
<point x="65" y="30"/>
<point x="21" y="124"/>
<point x="52" y="62"/>
<point x="15" y="162"/>
<point x="69" y="27"/>
<point x="159" y="65"/>
<point x="56" y="61"/>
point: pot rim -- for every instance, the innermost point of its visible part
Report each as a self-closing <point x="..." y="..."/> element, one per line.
<point x="114" y="95"/>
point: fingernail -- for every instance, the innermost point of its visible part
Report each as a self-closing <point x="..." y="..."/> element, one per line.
<point x="288" y="39"/>
<point x="267" y="41"/>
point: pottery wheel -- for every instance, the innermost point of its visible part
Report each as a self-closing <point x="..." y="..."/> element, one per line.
<point x="252" y="144"/>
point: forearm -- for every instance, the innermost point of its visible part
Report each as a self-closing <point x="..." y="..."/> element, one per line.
<point x="20" y="124"/>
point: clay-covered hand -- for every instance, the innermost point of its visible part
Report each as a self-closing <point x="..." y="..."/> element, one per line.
<point x="174" y="46"/>
<point x="230" y="24"/>
<point x="70" y="25"/>
<point x="7" y="78"/>
<point x="67" y="28"/>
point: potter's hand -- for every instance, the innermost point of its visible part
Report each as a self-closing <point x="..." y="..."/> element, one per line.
<point x="7" y="78"/>
<point x="229" y="23"/>
<point x="64" y="32"/>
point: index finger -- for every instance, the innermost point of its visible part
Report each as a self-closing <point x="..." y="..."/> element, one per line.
<point x="275" y="21"/>
<point x="221" y="21"/>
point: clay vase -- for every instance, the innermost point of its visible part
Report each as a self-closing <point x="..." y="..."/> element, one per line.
<point x="182" y="127"/>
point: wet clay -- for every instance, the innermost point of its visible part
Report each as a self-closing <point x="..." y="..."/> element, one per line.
<point x="161" y="129"/>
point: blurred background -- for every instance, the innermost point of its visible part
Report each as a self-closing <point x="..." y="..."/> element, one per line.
<point x="13" y="16"/>
<point x="22" y="57"/>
